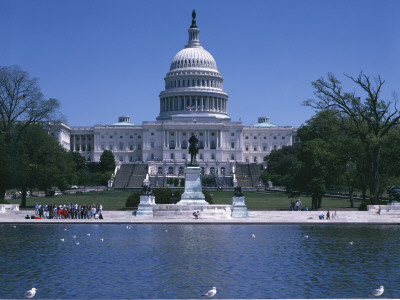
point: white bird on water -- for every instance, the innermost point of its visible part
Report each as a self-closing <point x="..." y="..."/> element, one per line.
<point x="306" y="236"/>
<point x="62" y="240"/>
<point x="31" y="293"/>
<point x="102" y="239"/>
<point x="88" y="234"/>
<point x="253" y="235"/>
<point x="377" y="292"/>
<point x="351" y="243"/>
<point x="211" y="292"/>
<point x="74" y="236"/>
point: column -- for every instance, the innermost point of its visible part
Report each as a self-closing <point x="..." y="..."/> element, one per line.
<point x="202" y="103"/>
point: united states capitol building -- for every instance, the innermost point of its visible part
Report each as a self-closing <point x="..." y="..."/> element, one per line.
<point x="192" y="103"/>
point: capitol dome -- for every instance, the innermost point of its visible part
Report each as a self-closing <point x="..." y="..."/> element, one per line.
<point x="195" y="57"/>
<point x="193" y="85"/>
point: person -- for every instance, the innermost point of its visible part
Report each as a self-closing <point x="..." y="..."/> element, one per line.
<point x="328" y="215"/>
<point x="321" y="216"/>
<point x="195" y="215"/>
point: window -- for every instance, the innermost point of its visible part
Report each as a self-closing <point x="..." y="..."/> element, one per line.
<point x="121" y="158"/>
<point x="222" y="171"/>
<point x="152" y="145"/>
<point x="232" y="134"/>
<point x="131" y="137"/>
<point x="255" y="159"/>
<point x="111" y="146"/>
<point x="212" y="133"/>
<point x="255" y="148"/>
<point x="89" y="158"/>
<point x="131" y="158"/>
<point x="171" y="144"/>
<point x="139" y="147"/>
<point x="83" y="148"/>
<point x="232" y="156"/>
<point x="247" y="159"/>
<point x="255" y="137"/>
<point x="160" y="171"/>
<point x="152" y="133"/>
<point x="247" y="147"/>
<point x="171" y="156"/>
<point x="103" y="147"/>
<point x="265" y="137"/>
<point x="212" y="170"/>
<point x="121" y="146"/>
<point x="265" y="148"/>
<point x="275" y="147"/>
<point x="171" y="170"/>
<point x="274" y="137"/>
<point x="131" y="147"/>
<point x="246" y="137"/>
<point x="180" y="170"/>
<point x="139" y="137"/>
<point x="121" y="137"/>
<point x="102" y="136"/>
<point x="283" y="138"/>
<point x="212" y="156"/>
<point x="172" y="134"/>
<point x="89" y="148"/>
<point x="111" y="136"/>
<point x="201" y="134"/>
<point x="152" y="156"/>
<point x="77" y="148"/>
<point x="232" y="145"/>
<point x="184" y="134"/>
<point x="201" y="155"/>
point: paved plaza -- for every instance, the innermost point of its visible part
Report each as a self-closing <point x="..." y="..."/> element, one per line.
<point x="255" y="217"/>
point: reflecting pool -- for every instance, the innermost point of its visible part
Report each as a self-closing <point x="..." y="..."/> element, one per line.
<point x="184" y="261"/>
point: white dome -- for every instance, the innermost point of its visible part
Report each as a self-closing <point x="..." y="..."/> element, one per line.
<point x="193" y="58"/>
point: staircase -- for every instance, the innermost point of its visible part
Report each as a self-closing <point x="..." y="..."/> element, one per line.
<point x="248" y="175"/>
<point x="130" y="176"/>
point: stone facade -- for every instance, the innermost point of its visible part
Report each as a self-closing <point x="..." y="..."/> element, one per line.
<point x="193" y="102"/>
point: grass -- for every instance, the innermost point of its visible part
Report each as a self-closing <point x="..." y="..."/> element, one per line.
<point x="115" y="200"/>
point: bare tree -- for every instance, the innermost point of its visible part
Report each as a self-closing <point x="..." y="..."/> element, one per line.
<point x="21" y="104"/>
<point x="372" y="117"/>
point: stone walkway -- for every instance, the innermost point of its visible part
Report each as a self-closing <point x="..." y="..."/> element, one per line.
<point x="255" y="217"/>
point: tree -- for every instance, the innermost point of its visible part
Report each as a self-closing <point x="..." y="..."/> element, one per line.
<point x="81" y="169"/>
<point x="279" y="164"/>
<point x="41" y="162"/>
<point x="372" y="118"/>
<point x="21" y="103"/>
<point x="107" y="161"/>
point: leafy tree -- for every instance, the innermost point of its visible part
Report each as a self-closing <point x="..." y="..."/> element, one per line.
<point x="279" y="165"/>
<point x="371" y="118"/>
<point x="81" y="169"/>
<point x="312" y="173"/>
<point x="107" y="162"/>
<point x="41" y="162"/>
<point x="22" y="104"/>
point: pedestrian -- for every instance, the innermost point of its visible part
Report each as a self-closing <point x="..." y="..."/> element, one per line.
<point x="328" y="215"/>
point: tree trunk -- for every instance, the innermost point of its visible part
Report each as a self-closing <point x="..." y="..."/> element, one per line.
<point x="373" y="175"/>
<point x="314" y="205"/>
<point x="319" y="201"/>
<point x="23" y="197"/>
<point x="2" y="194"/>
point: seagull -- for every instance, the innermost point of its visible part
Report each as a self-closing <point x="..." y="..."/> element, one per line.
<point x="166" y="230"/>
<point x="30" y="294"/>
<point x="351" y="243"/>
<point x="102" y="239"/>
<point x="74" y="236"/>
<point x="65" y="229"/>
<point x="77" y="243"/>
<point x="128" y="227"/>
<point x="306" y="236"/>
<point x="62" y="240"/>
<point x="15" y="226"/>
<point x="88" y="234"/>
<point x="253" y="235"/>
<point x="377" y="292"/>
<point x="211" y="293"/>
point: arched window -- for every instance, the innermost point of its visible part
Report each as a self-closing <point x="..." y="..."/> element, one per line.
<point x="171" y="144"/>
<point x="160" y="172"/>
<point x="180" y="170"/>
<point x="170" y="170"/>
<point x="212" y="170"/>
<point x="222" y="171"/>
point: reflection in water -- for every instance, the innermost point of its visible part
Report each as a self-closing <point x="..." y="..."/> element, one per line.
<point x="185" y="261"/>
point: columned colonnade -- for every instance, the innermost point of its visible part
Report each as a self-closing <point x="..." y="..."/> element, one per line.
<point x="198" y="103"/>
<point x="202" y="135"/>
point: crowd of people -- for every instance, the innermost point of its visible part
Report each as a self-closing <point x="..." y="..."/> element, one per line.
<point x="68" y="211"/>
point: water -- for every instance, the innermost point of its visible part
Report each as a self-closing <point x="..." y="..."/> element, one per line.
<point x="184" y="261"/>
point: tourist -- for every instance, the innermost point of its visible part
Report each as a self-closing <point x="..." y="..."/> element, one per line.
<point x="328" y="215"/>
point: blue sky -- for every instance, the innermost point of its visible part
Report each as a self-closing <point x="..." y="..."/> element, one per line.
<point x="103" y="59"/>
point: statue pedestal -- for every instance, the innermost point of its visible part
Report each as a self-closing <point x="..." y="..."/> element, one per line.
<point x="239" y="208"/>
<point x="192" y="194"/>
<point x="145" y="208"/>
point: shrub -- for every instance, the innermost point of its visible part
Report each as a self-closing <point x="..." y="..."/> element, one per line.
<point x="363" y="206"/>
<point x="208" y="196"/>
<point x="133" y="200"/>
<point x="167" y="196"/>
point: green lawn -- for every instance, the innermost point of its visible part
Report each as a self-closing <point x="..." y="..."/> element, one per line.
<point x="115" y="200"/>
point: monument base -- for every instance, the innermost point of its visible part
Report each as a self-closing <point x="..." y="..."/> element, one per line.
<point x="172" y="211"/>
<point x="145" y="207"/>
<point x="193" y="194"/>
<point x="239" y="208"/>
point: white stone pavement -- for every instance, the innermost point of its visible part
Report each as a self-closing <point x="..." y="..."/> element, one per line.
<point x="255" y="217"/>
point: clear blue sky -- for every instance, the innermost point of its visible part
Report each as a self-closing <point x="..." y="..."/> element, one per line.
<point x="106" y="58"/>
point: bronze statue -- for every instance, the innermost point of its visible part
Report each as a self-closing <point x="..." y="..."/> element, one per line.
<point x="193" y="19"/>
<point x="238" y="191"/>
<point x="193" y="149"/>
